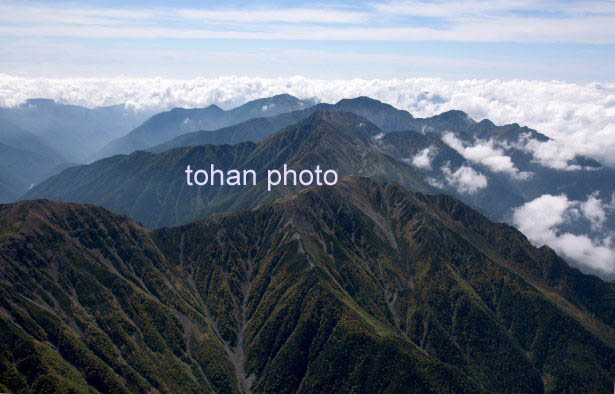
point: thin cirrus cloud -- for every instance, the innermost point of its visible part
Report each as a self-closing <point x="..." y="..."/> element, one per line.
<point x="579" y="117"/>
<point x="451" y="9"/>
<point x="292" y="15"/>
<point x="596" y="31"/>
<point x="474" y="21"/>
<point x="461" y="10"/>
<point x="100" y="15"/>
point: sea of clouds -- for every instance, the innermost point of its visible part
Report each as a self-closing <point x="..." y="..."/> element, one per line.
<point x="580" y="117"/>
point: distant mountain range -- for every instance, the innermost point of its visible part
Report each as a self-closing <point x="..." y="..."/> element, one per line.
<point x="363" y="287"/>
<point x="25" y="160"/>
<point x="494" y="169"/>
<point x="167" y="125"/>
<point x="405" y="137"/>
<point x="443" y="148"/>
<point x="152" y="189"/>
<point x="41" y="137"/>
<point x="71" y="131"/>
<point x="382" y="115"/>
<point x="497" y="163"/>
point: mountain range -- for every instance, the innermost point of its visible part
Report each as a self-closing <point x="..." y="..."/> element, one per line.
<point x="496" y="169"/>
<point x="383" y="115"/>
<point x="362" y="287"/>
<point x="72" y="131"/>
<point x="492" y="168"/>
<point x="25" y="160"/>
<point x="167" y="125"/>
<point x="405" y="137"/>
<point x="152" y="188"/>
<point x="120" y="277"/>
<point x="502" y="189"/>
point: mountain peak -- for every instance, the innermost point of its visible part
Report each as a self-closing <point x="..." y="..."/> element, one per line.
<point x="364" y="101"/>
<point x="456" y="115"/>
<point x="384" y="115"/>
<point x="347" y="123"/>
<point x="284" y="96"/>
<point x="214" y="107"/>
<point x="486" y="123"/>
<point x="269" y="106"/>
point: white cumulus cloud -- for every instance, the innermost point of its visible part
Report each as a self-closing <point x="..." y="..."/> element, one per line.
<point x="552" y="153"/>
<point x="465" y="179"/>
<point x="486" y="153"/>
<point x="424" y="157"/>
<point x="594" y="210"/>
<point x="540" y="220"/>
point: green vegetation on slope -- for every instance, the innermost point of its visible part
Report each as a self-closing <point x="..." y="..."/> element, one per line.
<point x="361" y="287"/>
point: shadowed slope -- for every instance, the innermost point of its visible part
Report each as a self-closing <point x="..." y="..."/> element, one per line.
<point x="361" y="287"/>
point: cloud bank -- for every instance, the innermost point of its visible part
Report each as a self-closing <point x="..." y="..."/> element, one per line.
<point x="540" y="220"/>
<point x="581" y="118"/>
<point x="486" y="153"/>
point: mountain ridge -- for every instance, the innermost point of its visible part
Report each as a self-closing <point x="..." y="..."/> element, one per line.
<point x="363" y="286"/>
<point x="495" y="169"/>
<point x="339" y="141"/>
<point x="385" y="116"/>
<point x="166" y="125"/>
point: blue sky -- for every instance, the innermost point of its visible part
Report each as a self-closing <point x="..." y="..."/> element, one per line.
<point x="544" y="40"/>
